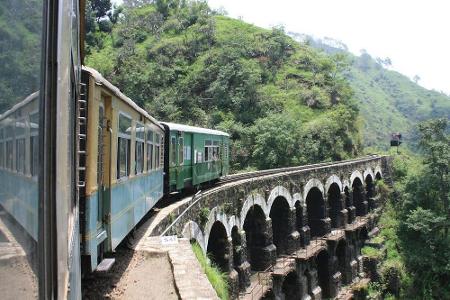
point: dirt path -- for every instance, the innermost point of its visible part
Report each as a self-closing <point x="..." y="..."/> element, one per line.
<point x="135" y="275"/>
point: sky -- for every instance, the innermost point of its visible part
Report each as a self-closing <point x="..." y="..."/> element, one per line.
<point x="414" y="34"/>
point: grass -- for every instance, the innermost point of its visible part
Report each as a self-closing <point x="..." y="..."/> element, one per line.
<point x="217" y="279"/>
<point x="371" y="252"/>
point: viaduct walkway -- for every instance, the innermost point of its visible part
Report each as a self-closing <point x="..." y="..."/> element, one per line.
<point x="293" y="233"/>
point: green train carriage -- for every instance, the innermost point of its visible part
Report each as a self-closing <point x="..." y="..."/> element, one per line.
<point x="193" y="156"/>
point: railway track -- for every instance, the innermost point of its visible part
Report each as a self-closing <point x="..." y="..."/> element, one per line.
<point x="255" y="174"/>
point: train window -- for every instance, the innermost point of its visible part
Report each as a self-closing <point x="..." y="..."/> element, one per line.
<point x="180" y="151"/>
<point x="225" y="150"/>
<point x="34" y="144"/>
<point x="158" y="153"/>
<point x="173" y="151"/>
<point x="123" y="147"/>
<point x="139" y="151"/>
<point x="24" y="205"/>
<point x="2" y="149"/>
<point x="149" y="149"/>
<point x="20" y="146"/>
<point x="187" y="152"/>
<point x="9" y="147"/>
<point x="211" y="150"/>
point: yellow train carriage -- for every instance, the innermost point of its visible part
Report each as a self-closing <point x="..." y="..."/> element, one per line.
<point x="123" y="167"/>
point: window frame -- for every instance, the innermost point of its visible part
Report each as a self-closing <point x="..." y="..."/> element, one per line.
<point x="127" y="138"/>
<point x="149" y="143"/>
<point x="211" y="150"/>
<point x="159" y="159"/>
<point x="33" y="134"/>
<point x="2" y="148"/>
<point x="139" y="142"/>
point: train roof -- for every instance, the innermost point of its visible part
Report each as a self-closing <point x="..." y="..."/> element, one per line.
<point x="19" y="105"/>
<point x="187" y="128"/>
<point x="100" y="80"/>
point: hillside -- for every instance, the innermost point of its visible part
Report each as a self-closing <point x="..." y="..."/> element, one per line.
<point x="283" y="102"/>
<point x="388" y="101"/>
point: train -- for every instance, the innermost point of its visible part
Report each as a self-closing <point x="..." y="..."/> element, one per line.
<point x="80" y="163"/>
<point x="130" y="161"/>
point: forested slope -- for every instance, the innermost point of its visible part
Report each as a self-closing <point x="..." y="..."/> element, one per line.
<point x="388" y="101"/>
<point x="283" y="102"/>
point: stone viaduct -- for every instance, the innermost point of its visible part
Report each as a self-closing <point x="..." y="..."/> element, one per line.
<point x="303" y="230"/>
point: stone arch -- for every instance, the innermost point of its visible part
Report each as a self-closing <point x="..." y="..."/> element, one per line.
<point x="363" y="233"/>
<point x="192" y="231"/>
<point x="356" y="174"/>
<point x="333" y="179"/>
<point x="311" y="184"/>
<point x="290" y="286"/>
<point x="251" y="200"/>
<point x="359" y="197"/>
<point x="280" y="214"/>
<point x="370" y="190"/>
<point x="279" y="191"/>
<point x="236" y="242"/>
<point x="323" y="273"/>
<point x="316" y="211"/>
<point x="345" y="184"/>
<point x="343" y="261"/>
<point x="351" y="210"/>
<point x="368" y="172"/>
<point x="335" y="205"/>
<point x="378" y="173"/>
<point x="215" y="215"/>
<point x="217" y="246"/>
<point x="297" y="197"/>
<point x="233" y="221"/>
<point x="259" y="242"/>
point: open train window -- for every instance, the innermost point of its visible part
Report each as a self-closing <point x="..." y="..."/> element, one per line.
<point x="149" y="141"/>
<point x="123" y="146"/>
<point x="139" y="149"/>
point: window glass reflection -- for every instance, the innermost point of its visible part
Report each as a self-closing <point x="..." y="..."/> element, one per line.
<point x="20" y="61"/>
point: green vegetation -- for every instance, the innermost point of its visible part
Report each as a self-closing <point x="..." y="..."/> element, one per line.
<point x="415" y="222"/>
<point x="388" y="101"/>
<point x="217" y="279"/>
<point x="20" y="55"/>
<point x="283" y="102"/>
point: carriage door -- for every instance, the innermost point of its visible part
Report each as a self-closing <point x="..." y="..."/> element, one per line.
<point x="101" y="126"/>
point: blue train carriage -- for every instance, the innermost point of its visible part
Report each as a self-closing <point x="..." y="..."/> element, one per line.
<point x="124" y="167"/>
<point x="194" y="156"/>
<point x="19" y="130"/>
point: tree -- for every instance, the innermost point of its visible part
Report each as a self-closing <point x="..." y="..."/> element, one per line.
<point x="416" y="78"/>
<point x="423" y="233"/>
<point x="435" y="143"/>
<point x="100" y="7"/>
